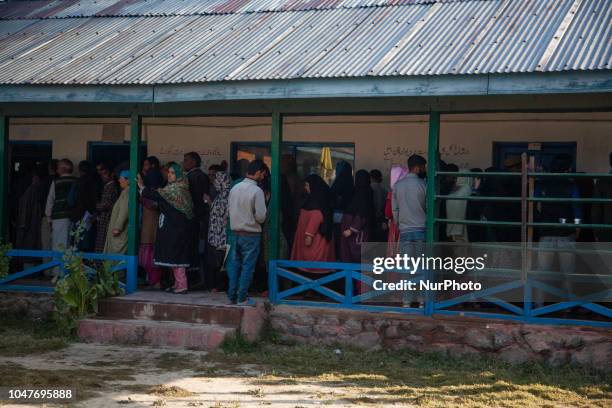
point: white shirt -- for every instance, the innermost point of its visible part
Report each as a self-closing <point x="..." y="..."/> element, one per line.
<point x="50" y="201"/>
<point x="247" y="207"/>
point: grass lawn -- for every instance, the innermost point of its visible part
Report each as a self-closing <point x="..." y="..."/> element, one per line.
<point x="426" y="379"/>
<point x="20" y="337"/>
<point x="32" y="354"/>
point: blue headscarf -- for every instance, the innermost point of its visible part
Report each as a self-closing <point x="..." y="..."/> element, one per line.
<point x="178" y="170"/>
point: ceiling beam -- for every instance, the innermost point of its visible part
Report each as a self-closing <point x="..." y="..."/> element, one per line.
<point x="274" y="90"/>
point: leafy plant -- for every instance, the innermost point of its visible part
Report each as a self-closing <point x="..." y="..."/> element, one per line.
<point x="107" y="281"/>
<point x="75" y="296"/>
<point x="79" y="288"/>
<point x="4" y="258"/>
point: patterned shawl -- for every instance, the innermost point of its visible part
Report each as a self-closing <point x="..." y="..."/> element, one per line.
<point x="177" y="195"/>
<point x="219" y="210"/>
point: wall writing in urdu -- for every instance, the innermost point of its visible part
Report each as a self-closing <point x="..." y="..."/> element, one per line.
<point x="172" y="152"/>
<point x="453" y="152"/>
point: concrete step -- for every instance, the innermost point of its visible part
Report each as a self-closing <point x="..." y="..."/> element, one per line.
<point x="154" y="333"/>
<point x="122" y="308"/>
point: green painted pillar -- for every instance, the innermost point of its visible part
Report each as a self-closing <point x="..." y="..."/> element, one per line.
<point x="135" y="132"/>
<point x="432" y="166"/>
<point x="4" y="170"/>
<point x="274" y="207"/>
<point x="432" y="182"/>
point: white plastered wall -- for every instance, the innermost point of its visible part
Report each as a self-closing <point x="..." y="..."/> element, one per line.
<point x="380" y="141"/>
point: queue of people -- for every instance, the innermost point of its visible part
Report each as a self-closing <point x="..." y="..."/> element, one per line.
<point x="211" y="230"/>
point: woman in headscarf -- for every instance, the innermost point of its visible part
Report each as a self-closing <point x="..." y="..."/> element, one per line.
<point x="176" y="208"/>
<point x="313" y="235"/>
<point x="164" y="171"/>
<point x="342" y="191"/>
<point x="342" y="187"/>
<point x="397" y="173"/>
<point x="358" y="219"/>
<point x="110" y="193"/>
<point x="217" y="230"/>
<point x="153" y="179"/>
<point x="117" y="232"/>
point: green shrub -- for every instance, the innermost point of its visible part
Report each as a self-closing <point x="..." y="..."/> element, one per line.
<point x="77" y="293"/>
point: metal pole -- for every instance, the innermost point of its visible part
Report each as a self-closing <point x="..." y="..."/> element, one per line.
<point x="525" y="218"/>
<point x="524" y="215"/>
<point x="4" y="170"/>
<point x="432" y="165"/>
<point x="275" y="175"/>
<point x="530" y="208"/>
<point x="135" y="131"/>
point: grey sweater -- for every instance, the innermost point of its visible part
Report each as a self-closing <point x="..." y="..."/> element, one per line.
<point x="247" y="207"/>
<point x="408" y="203"/>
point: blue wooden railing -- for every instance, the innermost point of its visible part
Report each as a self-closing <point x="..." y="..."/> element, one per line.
<point x="54" y="260"/>
<point x="349" y="274"/>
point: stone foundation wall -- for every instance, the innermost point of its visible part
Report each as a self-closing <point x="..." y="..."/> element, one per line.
<point x="33" y="305"/>
<point x="454" y="336"/>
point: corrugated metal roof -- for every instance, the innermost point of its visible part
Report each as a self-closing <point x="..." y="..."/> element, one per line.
<point x="140" y="8"/>
<point x="317" y="39"/>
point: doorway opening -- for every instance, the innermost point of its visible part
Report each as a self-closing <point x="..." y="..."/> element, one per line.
<point x="25" y="157"/>
<point x="112" y="154"/>
<point x="544" y="152"/>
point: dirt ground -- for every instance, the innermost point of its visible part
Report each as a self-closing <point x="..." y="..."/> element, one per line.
<point x="145" y="377"/>
<point x="279" y="373"/>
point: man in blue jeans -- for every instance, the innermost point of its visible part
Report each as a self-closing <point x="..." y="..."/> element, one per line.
<point x="408" y="205"/>
<point x="247" y="211"/>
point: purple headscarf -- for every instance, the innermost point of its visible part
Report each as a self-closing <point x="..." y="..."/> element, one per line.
<point x="397" y="173"/>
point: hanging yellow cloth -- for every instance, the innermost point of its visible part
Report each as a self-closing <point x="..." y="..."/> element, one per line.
<point x="325" y="164"/>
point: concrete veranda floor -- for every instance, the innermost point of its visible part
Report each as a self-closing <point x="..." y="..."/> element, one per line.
<point x="191" y="298"/>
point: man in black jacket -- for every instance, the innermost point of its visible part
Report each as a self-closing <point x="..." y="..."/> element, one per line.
<point x="199" y="186"/>
<point x="85" y="196"/>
